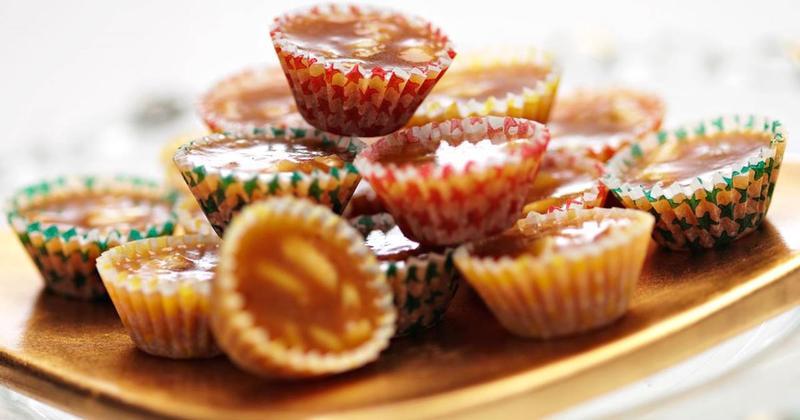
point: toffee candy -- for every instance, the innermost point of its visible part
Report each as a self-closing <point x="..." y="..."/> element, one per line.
<point x="66" y="223"/>
<point x="566" y="180"/>
<point x="314" y="303"/>
<point x="598" y="123"/>
<point x="519" y="83"/>
<point x="423" y="279"/>
<point x="708" y="183"/>
<point x="357" y="70"/>
<point x="254" y="100"/>
<point x="561" y="273"/>
<point x="447" y="183"/>
<point x="160" y="288"/>
<point x="225" y="172"/>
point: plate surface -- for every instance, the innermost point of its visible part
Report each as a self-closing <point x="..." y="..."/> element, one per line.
<point x="77" y="355"/>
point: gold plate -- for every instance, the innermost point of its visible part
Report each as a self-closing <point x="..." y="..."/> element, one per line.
<point x="77" y="356"/>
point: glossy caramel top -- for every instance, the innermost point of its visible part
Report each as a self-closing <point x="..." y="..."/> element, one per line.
<point x="458" y="156"/>
<point x="259" y="97"/>
<point x="560" y="182"/>
<point x="684" y="161"/>
<point x="481" y="83"/>
<point x="179" y="263"/>
<point x="514" y="243"/>
<point x="592" y="119"/>
<point x="392" y="245"/>
<point x="106" y="212"/>
<point x="370" y="39"/>
<point x="267" y="155"/>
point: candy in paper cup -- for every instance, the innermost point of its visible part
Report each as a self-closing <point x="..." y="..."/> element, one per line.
<point x="598" y="123"/>
<point x="335" y="312"/>
<point x="167" y="317"/>
<point x="715" y="208"/>
<point x="551" y="191"/>
<point x="357" y="99"/>
<point x="65" y="255"/>
<point x="223" y="192"/>
<point x="254" y="100"/>
<point x="488" y="82"/>
<point x="423" y="283"/>
<point x="560" y="292"/>
<point x="446" y="205"/>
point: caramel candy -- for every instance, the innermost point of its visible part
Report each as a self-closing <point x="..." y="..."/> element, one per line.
<point x="262" y="155"/>
<point x="66" y="223"/>
<point x="482" y="83"/>
<point x="685" y="161"/>
<point x="315" y="295"/>
<point x="709" y="182"/>
<point x="560" y="185"/>
<point x="303" y="292"/>
<point x="256" y="98"/>
<point x="559" y="273"/>
<point x="423" y="279"/>
<point x="160" y="289"/>
<point x="508" y="82"/>
<point x="105" y="212"/>
<point x="372" y="38"/>
<point x="566" y="179"/>
<point x="448" y="183"/>
<point x="598" y="123"/>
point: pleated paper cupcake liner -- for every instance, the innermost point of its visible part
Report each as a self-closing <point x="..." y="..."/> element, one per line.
<point x="222" y="193"/>
<point x="566" y="292"/>
<point x="246" y="80"/>
<point x="594" y="196"/>
<point x="249" y="345"/>
<point x="66" y="257"/>
<point x="447" y="205"/>
<point x="291" y="125"/>
<point x="711" y="210"/>
<point x="530" y="102"/>
<point x="423" y="285"/>
<point x="164" y="318"/>
<point x="649" y="103"/>
<point x="347" y="99"/>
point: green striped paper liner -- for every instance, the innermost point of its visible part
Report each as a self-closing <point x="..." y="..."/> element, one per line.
<point x="711" y="210"/>
<point x="222" y="193"/>
<point x="66" y="258"/>
<point x="423" y="285"/>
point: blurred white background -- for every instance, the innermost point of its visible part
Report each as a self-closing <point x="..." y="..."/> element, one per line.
<point x="98" y="86"/>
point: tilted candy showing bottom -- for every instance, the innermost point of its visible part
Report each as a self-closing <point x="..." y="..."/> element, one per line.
<point x="298" y="293"/>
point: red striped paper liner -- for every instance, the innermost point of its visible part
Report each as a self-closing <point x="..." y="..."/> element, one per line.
<point x="446" y="205"/>
<point x="348" y="99"/>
